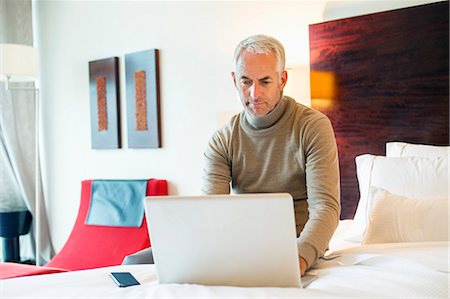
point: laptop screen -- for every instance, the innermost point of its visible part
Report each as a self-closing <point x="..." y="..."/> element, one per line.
<point x="235" y="240"/>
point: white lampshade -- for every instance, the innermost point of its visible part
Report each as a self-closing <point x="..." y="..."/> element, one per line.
<point x="18" y="62"/>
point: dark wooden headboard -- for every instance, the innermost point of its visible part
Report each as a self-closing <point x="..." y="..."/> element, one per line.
<point x="381" y="77"/>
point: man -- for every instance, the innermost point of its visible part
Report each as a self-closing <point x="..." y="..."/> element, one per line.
<point x="277" y="145"/>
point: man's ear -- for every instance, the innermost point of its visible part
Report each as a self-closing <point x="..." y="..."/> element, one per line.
<point x="284" y="77"/>
<point x="234" y="78"/>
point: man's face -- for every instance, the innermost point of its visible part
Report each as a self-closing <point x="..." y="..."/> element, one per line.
<point x="258" y="82"/>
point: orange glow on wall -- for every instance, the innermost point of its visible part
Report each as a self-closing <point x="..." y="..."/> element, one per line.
<point x="323" y="88"/>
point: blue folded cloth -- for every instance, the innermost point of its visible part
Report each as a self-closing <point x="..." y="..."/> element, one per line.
<point x="117" y="203"/>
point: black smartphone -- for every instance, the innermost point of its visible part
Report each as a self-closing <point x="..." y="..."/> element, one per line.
<point x="124" y="279"/>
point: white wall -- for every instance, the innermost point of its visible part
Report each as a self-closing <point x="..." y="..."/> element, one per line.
<point x="343" y="9"/>
<point x="196" y="41"/>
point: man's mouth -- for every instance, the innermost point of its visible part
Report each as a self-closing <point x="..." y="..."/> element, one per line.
<point x="255" y="103"/>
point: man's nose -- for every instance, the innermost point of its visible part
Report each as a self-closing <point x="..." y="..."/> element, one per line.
<point x="255" y="91"/>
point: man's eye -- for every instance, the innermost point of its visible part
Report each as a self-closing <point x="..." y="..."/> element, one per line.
<point x="246" y="81"/>
<point x="265" y="82"/>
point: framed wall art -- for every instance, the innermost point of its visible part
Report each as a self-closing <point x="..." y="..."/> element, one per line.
<point x="104" y="103"/>
<point x="142" y="84"/>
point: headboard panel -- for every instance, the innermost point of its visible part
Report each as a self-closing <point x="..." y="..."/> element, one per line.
<point x="382" y="77"/>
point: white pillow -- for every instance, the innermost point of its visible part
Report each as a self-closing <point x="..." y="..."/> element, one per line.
<point x="405" y="176"/>
<point x="396" y="218"/>
<point x="403" y="149"/>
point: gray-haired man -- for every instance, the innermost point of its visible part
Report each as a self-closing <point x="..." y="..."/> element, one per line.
<point x="277" y="145"/>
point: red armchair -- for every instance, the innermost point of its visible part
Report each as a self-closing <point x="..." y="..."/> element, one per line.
<point x="91" y="246"/>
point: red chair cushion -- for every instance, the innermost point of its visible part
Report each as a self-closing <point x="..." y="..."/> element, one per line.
<point x="91" y="246"/>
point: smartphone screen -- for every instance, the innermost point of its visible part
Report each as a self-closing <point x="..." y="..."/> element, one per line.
<point x="124" y="279"/>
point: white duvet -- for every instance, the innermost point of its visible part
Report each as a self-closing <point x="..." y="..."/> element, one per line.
<point x="397" y="270"/>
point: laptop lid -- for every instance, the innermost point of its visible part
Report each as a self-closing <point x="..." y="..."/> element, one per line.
<point x="234" y="240"/>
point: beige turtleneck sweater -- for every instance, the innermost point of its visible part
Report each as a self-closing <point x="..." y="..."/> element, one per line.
<point x="292" y="149"/>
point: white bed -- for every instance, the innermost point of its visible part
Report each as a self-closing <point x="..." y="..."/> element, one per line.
<point x="394" y="270"/>
<point x="395" y="247"/>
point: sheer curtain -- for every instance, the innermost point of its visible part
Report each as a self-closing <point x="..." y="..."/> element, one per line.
<point x="17" y="134"/>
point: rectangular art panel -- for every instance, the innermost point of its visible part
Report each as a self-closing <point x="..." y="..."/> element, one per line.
<point x="104" y="103"/>
<point x="142" y="83"/>
<point x="381" y="77"/>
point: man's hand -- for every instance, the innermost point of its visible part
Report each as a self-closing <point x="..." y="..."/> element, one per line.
<point x="303" y="265"/>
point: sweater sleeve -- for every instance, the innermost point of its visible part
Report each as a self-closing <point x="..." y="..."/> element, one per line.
<point x="217" y="166"/>
<point x="323" y="189"/>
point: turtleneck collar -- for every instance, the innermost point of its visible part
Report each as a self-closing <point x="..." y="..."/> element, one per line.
<point x="265" y="121"/>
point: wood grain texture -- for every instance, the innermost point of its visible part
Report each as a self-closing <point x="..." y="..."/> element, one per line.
<point x="391" y="83"/>
<point x="141" y="100"/>
<point x="102" y="112"/>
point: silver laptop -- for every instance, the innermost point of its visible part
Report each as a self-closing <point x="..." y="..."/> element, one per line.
<point x="229" y="240"/>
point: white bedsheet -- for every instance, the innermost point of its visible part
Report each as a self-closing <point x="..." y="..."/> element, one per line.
<point x="397" y="270"/>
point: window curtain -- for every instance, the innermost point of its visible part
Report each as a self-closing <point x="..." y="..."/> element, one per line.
<point x="17" y="136"/>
